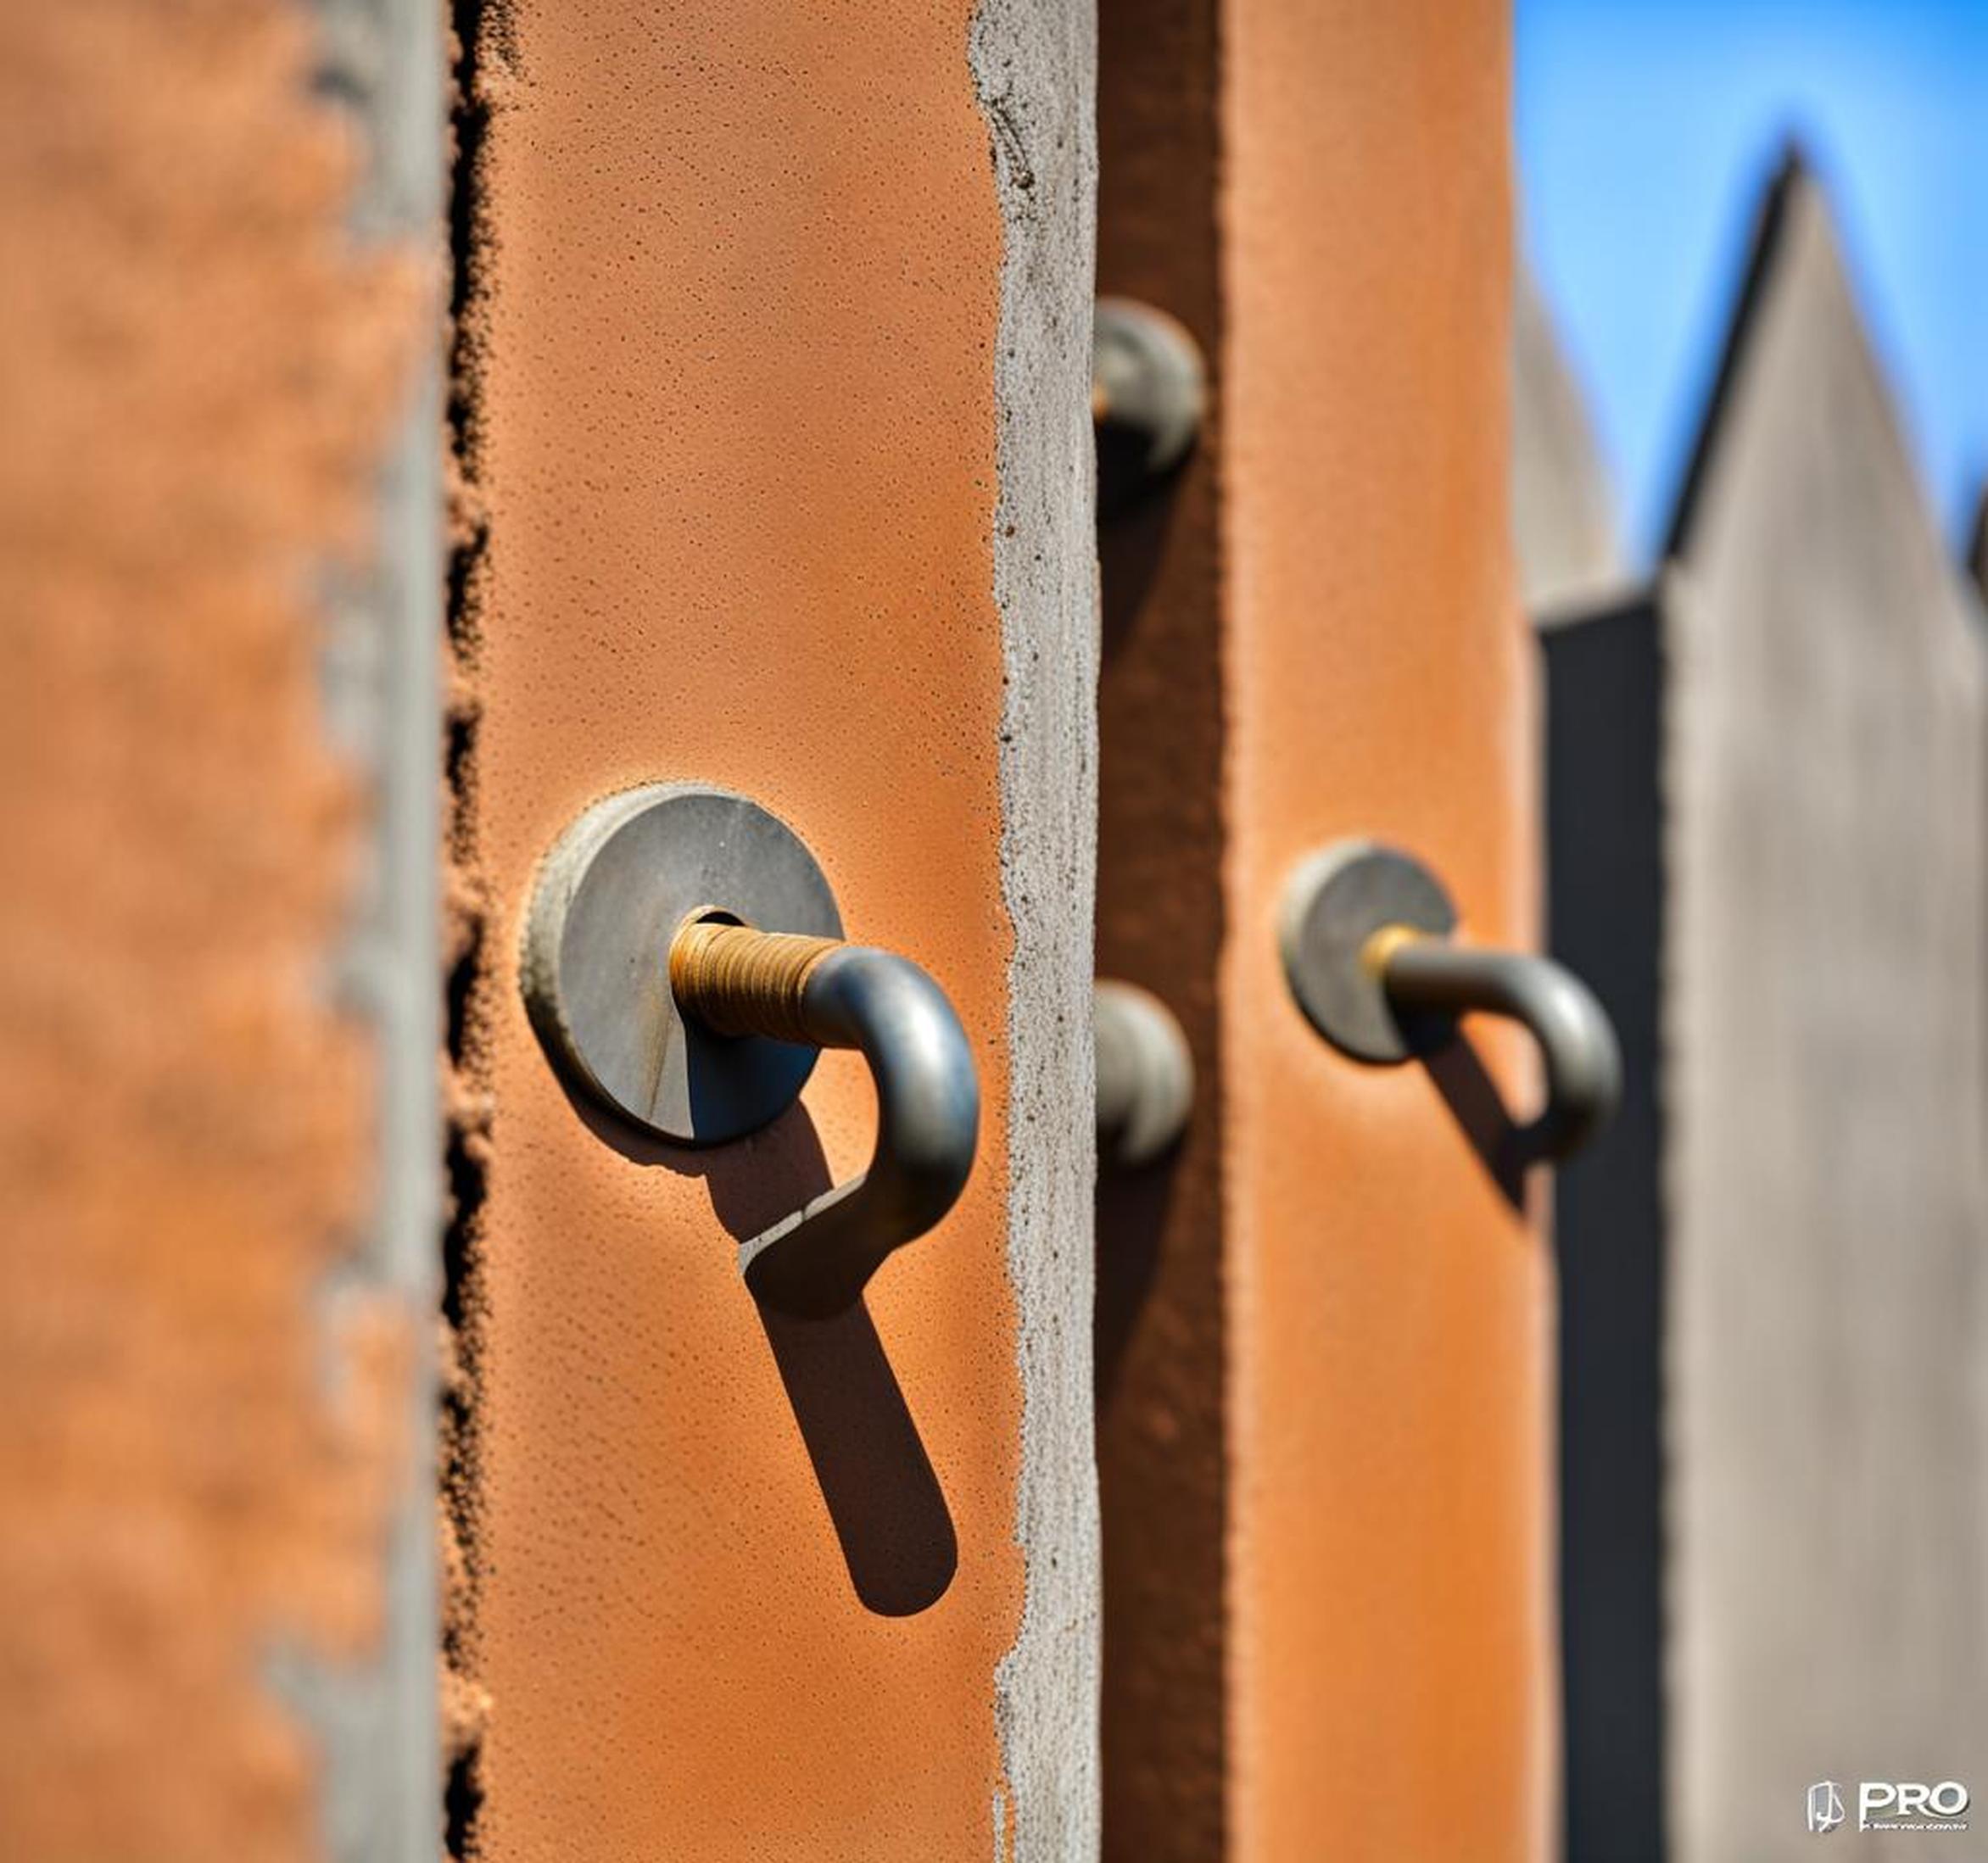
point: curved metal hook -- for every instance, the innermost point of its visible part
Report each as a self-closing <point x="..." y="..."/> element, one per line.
<point x="1423" y="975"/>
<point x="1366" y="941"/>
<point x="740" y="982"/>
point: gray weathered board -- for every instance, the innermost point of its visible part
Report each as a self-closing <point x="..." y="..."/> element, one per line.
<point x="1562" y="519"/>
<point x="1767" y="827"/>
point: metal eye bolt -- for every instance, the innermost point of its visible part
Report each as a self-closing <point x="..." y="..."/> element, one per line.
<point x="699" y="1023"/>
<point x="1367" y="952"/>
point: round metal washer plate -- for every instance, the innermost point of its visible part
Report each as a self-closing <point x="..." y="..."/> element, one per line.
<point x="610" y="897"/>
<point x="1335" y="902"/>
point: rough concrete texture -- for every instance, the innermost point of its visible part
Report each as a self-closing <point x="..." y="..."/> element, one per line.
<point x="1034" y="66"/>
<point x="1562" y="521"/>
<point x="1161" y="1460"/>
<point x="743" y="415"/>
<point x="207" y="1415"/>
<point x="1389" y="1311"/>
<point x="1826" y="1186"/>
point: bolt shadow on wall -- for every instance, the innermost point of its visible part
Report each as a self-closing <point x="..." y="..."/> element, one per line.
<point x="882" y="1494"/>
<point x="1459" y="1074"/>
<point x="1132" y="1214"/>
<point x="1136" y="506"/>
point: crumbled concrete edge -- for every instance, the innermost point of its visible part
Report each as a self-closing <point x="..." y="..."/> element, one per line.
<point x="377" y="1722"/>
<point x="1033" y="63"/>
<point x="484" y="75"/>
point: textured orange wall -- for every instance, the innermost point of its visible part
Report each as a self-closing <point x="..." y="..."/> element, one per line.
<point x="1389" y="1350"/>
<point x="199" y="376"/>
<point x="1322" y="1329"/>
<point x="733" y="432"/>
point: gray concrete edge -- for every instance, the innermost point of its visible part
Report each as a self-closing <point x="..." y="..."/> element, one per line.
<point x="1034" y="65"/>
<point x="377" y="1721"/>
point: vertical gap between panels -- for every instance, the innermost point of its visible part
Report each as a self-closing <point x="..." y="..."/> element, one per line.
<point x="477" y="36"/>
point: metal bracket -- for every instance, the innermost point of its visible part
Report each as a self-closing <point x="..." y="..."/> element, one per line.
<point x="683" y="967"/>
<point x="1148" y="393"/>
<point x="1365" y="942"/>
<point x="609" y="900"/>
<point x="1145" y="1076"/>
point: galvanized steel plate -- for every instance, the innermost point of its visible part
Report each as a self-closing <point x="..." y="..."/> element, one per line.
<point x="608" y="899"/>
<point x="1335" y="902"/>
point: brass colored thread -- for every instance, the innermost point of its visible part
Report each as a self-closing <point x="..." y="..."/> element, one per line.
<point x="736" y="981"/>
<point x="1378" y="951"/>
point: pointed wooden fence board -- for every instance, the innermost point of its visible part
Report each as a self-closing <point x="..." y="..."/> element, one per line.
<point x="1563" y="524"/>
<point x="1766" y="831"/>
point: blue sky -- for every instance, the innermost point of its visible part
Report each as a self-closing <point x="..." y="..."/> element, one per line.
<point x="1646" y="129"/>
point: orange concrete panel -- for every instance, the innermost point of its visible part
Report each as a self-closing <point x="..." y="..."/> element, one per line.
<point x="206" y="1400"/>
<point x="1389" y="1369"/>
<point x="734" y="425"/>
<point x="1323" y="1336"/>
